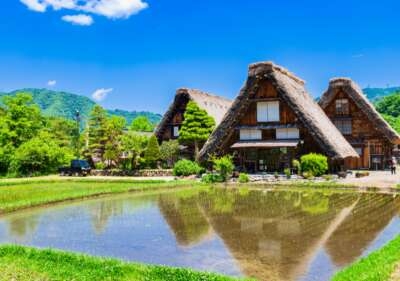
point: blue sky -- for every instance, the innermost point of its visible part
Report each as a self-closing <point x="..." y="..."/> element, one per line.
<point x="144" y="49"/>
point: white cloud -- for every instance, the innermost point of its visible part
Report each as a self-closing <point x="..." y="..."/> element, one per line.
<point x="51" y="83"/>
<point x="101" y="94"/>
<point x="357" y="56"/>
<point x="78" y="19"/>
<point x="35" y="5"/>
<point x="113" y="9"/>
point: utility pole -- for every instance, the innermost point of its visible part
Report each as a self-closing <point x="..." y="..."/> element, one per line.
<point x="77" y="133"/>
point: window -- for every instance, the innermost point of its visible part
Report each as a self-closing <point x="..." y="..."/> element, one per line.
<point x="344" y="126"/>
<point x="342" y="107"/>
<point x="359" y="150"/>
<point x="268" y="111"/>
<point x="287" y="133"/>
<point x="250" y="134"/>
<point x="176" y="131"/>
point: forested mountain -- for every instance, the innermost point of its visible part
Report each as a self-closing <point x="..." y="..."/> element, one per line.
<point x="374" y="94"/>
<point x="389" y="107"/>
<point x="64" y="104"/>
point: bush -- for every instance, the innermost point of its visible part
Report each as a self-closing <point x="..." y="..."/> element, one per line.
<point x="212" y="178"/>
<point x="152" y="152"/>
<point x="313" y="163"/>
<point x="186" y="168"/>
<point x="308" y="175"/>
<point x="40" y="155"/>
<point x="296" y="165"/>
<point x="223" y="166"/>
<point x="243" y="178"/>
<point x="287" y="173"/>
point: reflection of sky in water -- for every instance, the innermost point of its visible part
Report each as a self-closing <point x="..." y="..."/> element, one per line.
<point x="286" y="236"/>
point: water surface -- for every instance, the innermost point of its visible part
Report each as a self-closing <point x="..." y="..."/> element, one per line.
<point x="269" y="235"/>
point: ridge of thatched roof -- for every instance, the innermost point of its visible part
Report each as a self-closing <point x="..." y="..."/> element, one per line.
<point x="356" y="94"/>
<point x="216" y="106"/>
<point x="292" y="91"/>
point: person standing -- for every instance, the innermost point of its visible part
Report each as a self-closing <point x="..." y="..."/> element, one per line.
<point x="393" y="165"/>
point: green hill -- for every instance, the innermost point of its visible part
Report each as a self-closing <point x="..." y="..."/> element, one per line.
<point x="64" y="104"/>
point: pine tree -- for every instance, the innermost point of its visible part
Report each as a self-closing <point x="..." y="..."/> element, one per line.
<point x="98" y="126"/>
<point x="152" y="152"/>
<point x="196" y="127"/>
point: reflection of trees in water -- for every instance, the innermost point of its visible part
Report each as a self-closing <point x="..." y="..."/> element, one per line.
<point x="185" y="218"/>
<point x="101" y="212"/>
<point x="372" y="214"/>
<point x="22" y="227"/>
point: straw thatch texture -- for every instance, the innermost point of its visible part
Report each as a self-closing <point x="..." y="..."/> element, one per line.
<point x="291" y="90"/>
<point x="355" y="93"/>
<point x="215" y="106"/>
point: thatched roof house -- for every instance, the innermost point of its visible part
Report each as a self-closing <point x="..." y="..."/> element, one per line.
<point x="362" y="126"/>
<point x="291" y="93"/>
<point x="215" y="106"/>
<point x="355" y="93"/>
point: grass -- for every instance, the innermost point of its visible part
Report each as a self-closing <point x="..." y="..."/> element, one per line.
<point x="23" y="263"/>
<point x="378" y="266"/>
<point x="25" y="193"/>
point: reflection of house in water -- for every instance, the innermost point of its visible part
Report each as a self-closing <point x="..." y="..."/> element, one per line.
<point x="185" y="219"/>
<point x="372" y="213"/>
<point x="276" y="235"/>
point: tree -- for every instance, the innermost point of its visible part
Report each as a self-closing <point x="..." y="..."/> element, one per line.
<point x="21" y="119"/>
<point x="115" y="127"/>
<point x="169" y="151"/>
<point x="98" y="126"/>
<point x="152" y="152"/>
<point x="196" y="127"/>
<point x="133" y="146"/>
<point x="39" y="155"/>
<point x="142" y="124"/>
<point x="223" y="166"/>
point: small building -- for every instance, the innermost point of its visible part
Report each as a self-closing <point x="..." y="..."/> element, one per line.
<point x="274" y="120"/>
<point x="171" y="122"/>
<point x="359" y="122"/>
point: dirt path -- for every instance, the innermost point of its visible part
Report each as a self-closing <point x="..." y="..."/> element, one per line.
<point x="380" y="179"/>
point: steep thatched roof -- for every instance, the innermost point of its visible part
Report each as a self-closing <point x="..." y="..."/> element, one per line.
<point x="291" y="90"/>
<point x="355" y="93"/>
<point x="215" y="106"/>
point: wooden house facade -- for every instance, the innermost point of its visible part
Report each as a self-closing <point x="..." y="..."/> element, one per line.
<point x="272" y="121"/>
<point x="359" y="122"/>
<point x="170" y="124"/>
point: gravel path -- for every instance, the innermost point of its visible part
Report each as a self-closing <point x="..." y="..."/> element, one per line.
<point x="380" y="179"/>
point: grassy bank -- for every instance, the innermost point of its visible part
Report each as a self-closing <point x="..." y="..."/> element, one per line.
<point x="24" y="193"/>
<point x="378" y="266"/>
<point x="22" y="263"/>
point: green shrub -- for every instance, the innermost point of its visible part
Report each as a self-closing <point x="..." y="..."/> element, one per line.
<point x="297" y="166"/>
<point x="287" y="173"/>
<point x="276" y="175"/>
<point x="328" y="177"/>
<point x="212" y="178"/>
<point x="186" y="168"/>
<point x="316" y="164"/>
<point x="223" y="166"/>
<point x="308" y="175"/>
<point x="100" y="166"/>
<point x="243" y="178"/>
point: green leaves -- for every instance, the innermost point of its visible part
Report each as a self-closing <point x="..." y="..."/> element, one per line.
<point x="197" y="124"/>
<point x="142" y="124"/>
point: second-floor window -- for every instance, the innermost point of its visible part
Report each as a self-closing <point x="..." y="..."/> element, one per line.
<point x="268" y="111"/>
<point x="342" y="107"/>
<point x="250" y="134"/>
<point x="287" y="133"/>
<point x="344" y="126"/>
